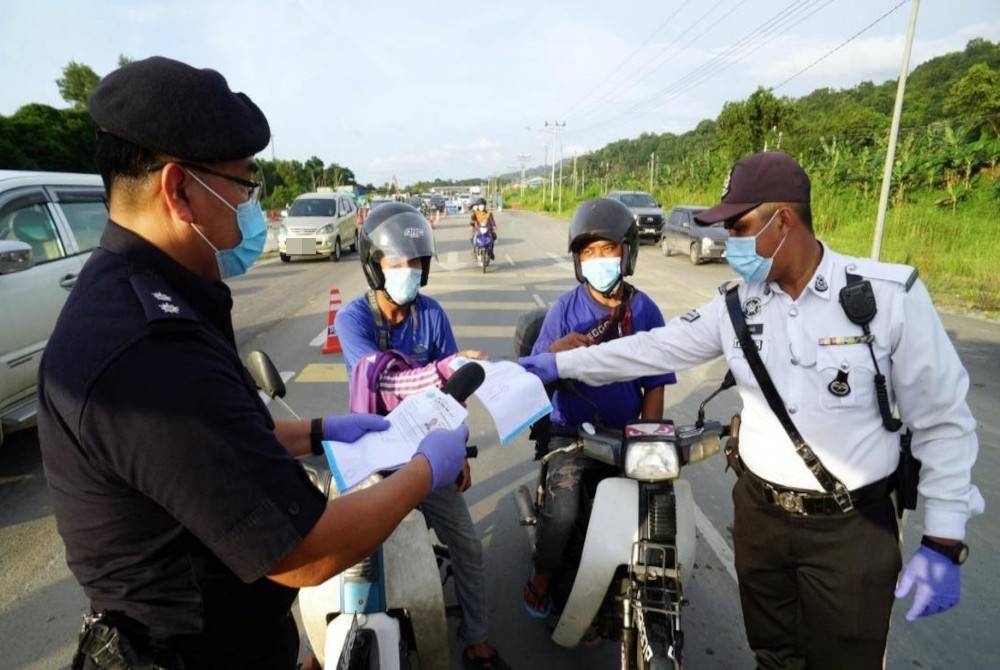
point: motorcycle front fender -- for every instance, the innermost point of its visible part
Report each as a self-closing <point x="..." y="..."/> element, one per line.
<point x="611" y="532"/>
<point x="386" y="630"/>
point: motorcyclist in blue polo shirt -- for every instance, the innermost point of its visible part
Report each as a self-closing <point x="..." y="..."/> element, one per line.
<point x="603" y="239"/>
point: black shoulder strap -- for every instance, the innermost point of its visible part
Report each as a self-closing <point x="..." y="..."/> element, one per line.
<point x="825" y="478"/>
<point x="384" y="335"/>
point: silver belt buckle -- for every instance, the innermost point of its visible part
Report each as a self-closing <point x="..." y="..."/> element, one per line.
<point x="791" y="502"/>
<point x="842" y="497"/>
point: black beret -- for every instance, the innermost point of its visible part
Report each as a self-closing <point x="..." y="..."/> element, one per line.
<point x="172" y="108"/>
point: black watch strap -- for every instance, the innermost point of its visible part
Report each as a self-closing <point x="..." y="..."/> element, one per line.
<point x="316" y="436"/>
<point x="957" y="553"/>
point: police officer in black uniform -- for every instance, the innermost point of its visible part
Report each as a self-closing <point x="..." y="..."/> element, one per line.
<point x="186" y="518"/>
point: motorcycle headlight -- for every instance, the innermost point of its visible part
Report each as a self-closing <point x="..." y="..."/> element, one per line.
<point x="652" y="461"/>
<point x="325" y="230"/>
<point x="706" y="244"/>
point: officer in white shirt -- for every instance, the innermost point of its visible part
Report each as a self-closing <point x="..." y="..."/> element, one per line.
<point x="817" y="569"/>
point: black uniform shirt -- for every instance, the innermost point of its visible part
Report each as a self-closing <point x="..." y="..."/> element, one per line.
<point x="170" y="490"/>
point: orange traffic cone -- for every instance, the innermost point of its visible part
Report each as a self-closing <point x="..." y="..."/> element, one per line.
<point x="332" y="344"/>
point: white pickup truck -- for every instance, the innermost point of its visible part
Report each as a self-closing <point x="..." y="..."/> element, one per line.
<point x="49" y="223"/>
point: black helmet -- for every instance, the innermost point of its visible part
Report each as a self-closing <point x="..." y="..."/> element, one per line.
<point x="604" y="219"/>
<point x="398" y="230"/>
<point x="479" y="201"/>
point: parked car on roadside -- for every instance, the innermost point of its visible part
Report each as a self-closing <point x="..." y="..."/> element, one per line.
<point x="646" y="211"/>
<point x="682" y="235"/>
<point x="319" y="224"/>
<point x="49" y="223"/>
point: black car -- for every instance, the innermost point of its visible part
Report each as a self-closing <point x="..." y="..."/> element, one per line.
<point x="680" y="234"/>
<point x="438" y="202"/>
<point x="646" y="212"/>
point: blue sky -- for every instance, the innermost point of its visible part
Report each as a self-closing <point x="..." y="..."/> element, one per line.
<point x="458" y="89"/>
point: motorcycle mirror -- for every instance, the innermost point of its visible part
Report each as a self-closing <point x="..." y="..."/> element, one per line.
<point x="265" y="374"/>
<point x="728" y="382"/>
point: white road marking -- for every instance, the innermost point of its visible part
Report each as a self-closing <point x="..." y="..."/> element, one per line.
<point x="509" y="259"/>
<point x="285" y="376"/>
<point x="538" y="300"/>
<point x="560" y="260"/>
<point x="715" y="542"/>
<point x="319" y="339"/>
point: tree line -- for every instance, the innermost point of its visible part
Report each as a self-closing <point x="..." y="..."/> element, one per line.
<point x="42" y="137"/>
<point x="949" y="139"/>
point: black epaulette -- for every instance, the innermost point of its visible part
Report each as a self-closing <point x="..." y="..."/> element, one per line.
<point x="160" y="302"/>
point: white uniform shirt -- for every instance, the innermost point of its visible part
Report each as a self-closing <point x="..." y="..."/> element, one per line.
<point x="925" y="377"/>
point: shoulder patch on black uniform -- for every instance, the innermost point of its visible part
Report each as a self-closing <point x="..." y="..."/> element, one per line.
<point x="892" y="272"/>
<point x="160" y="301"/>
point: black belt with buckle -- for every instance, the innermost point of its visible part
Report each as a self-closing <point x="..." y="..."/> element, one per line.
<point x="805" y="503"/>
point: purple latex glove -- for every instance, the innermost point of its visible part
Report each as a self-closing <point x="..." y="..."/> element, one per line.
<point x="445" y="452"/>
<point x="350" y="427"/>
<point x="938" y="581"/>
<point x="542" y="366"/>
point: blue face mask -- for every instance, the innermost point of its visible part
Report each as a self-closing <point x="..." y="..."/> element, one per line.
<point x="250" y="220"/>
<point x="741" y="253"/>
<point x="602" y="273"/>
<point x="402" y="284"/>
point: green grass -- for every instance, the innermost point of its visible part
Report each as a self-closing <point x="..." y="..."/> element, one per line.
<point x="956" y="252"/>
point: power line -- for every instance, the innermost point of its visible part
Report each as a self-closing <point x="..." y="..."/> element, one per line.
<point x="625" y="84"/>
<point x="774" y="27"/>
<point x="627" y="58"/>
<point x="841" y="45"/>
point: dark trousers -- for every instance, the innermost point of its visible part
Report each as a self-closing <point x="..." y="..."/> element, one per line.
<point x="816" y="590"/>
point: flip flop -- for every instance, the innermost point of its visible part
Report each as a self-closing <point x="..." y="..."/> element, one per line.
<point x="535" y="612"/>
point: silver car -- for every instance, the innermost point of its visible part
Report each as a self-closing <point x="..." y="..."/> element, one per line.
<point x="319" y="224"/>
<point x="49" y="223"/>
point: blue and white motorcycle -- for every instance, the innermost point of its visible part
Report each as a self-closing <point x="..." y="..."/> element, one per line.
<point x="388" y="611"/>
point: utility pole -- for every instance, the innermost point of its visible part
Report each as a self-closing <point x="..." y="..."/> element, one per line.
<point x="560" y="176"/>
<point x="574" y="175"/>
<point x="556" y="127"/>
<point x="890" y="156"/>
<point x="652" y="164"/>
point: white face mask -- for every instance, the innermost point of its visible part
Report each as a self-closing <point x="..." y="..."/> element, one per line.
<point x="402" y="284"/>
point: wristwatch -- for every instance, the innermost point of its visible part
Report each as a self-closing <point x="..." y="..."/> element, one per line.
<point x="958" y="553"/>
<point x="316" y="436"/>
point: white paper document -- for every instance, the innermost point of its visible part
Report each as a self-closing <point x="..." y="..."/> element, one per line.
<point x="514" y="398"/>
<point x="417" y="415"/>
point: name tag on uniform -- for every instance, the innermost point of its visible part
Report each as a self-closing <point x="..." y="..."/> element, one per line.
<point x="737" y="345"/>
<point x="846" y="339"/>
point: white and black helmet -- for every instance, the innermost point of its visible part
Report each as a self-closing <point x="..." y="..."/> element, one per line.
<point x="396" y="230"/>
<point x="604" y="219"/>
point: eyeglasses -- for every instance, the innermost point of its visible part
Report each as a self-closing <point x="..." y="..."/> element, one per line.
<point x="253" y="187"/>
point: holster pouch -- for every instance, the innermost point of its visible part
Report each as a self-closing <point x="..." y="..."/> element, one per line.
<point x="105" y="646"/>
<point x="732" y="451"/>
<point x="907" y="474"/>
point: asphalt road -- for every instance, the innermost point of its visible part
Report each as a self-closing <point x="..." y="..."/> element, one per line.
<point x="281" y="308"/>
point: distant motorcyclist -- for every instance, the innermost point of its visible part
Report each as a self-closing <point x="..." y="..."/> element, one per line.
<point x="603" y="239"/>
<point x="482" y="216"/>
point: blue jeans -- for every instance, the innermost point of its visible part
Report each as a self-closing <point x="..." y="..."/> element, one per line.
<point x="448" y="514"/>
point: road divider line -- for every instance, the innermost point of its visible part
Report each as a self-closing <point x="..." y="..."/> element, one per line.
<point x="319" y="339"/>
<point x="510" y="260"/>
<point x="491" y="306"/>
<point x="715" y="542"/>
<point x="560" y="260"/>
<point x="323" y="373"/>
<point x="484" y="331"/>
<point x="538" y="300"/>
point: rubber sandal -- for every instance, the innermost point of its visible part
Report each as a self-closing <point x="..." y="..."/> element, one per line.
<point x="533" y="611"/>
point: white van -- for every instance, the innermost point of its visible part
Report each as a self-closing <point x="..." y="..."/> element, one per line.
<point x="319" y="224"/>
<point x="49" y="223"/>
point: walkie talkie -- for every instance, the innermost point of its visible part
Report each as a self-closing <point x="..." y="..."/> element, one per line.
<point x="858" y="300"/>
